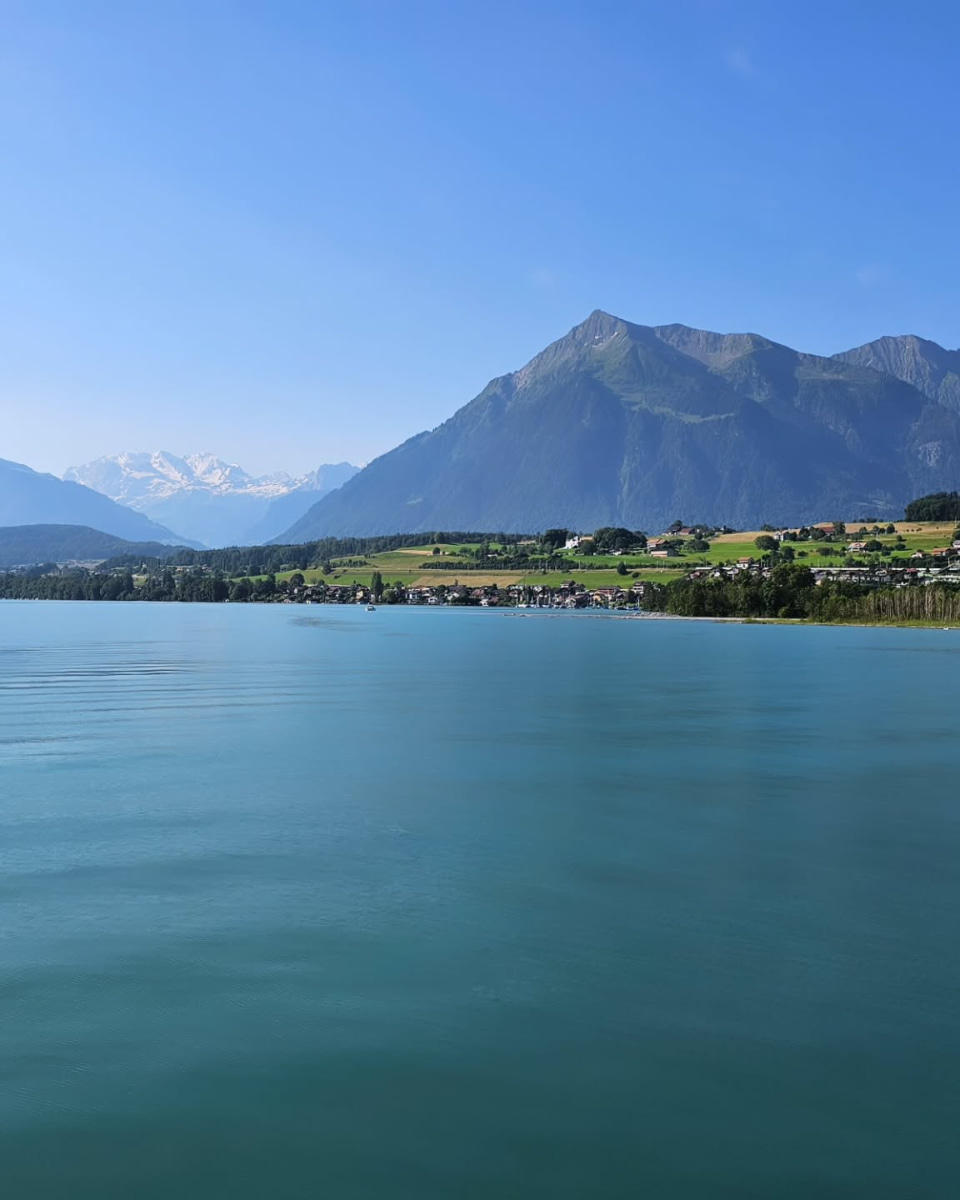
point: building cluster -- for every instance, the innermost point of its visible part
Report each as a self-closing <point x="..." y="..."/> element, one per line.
<point x="945" y="570"/>
<point x="568" y="595"/>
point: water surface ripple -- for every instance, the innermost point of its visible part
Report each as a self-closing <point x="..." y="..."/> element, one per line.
<point x="461" y="905"/>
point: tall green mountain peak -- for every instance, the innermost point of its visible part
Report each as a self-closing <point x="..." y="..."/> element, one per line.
<point x="623" y="424"/>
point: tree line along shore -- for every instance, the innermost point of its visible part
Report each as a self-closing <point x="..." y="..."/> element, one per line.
<point x="862" y="571"/>
<point x="788" y="591"/>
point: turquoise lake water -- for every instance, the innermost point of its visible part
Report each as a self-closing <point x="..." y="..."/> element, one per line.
<point x="309" y="902"/>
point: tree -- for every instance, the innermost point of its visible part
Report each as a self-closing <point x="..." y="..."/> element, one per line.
<point x="613" y="538"/>
<point x="839" y="528"/>
<point x="435" y="550"/>
<point x="698" y="545"/>
<point x="675" y="527"/>
<point x="554" y="539"/>
<point x="113" y="588"/>
<point x="766" y="543"/>
<point x="297" y="580"/>
<point x="376" y="585"/>
<point x="621" y="567"/>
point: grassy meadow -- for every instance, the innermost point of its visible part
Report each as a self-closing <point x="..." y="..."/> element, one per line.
<point x="407" y="566"/>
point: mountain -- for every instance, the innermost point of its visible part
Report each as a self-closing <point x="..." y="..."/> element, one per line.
<point x="622" y="424"/>
<point x="214" y="501"/>
<point x="27" y="545"/>
<point x="28" y="497"/>
<point x="927" y="366"/>
<point x="287" y="509"/>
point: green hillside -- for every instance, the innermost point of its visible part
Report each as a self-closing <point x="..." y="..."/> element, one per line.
<point x="29" y="545"/>
<point x="419" y="566"/>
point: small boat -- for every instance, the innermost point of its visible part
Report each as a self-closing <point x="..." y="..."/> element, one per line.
<point x="370" y="608"/>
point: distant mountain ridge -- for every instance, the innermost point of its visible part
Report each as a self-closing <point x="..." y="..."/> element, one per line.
<point x="133" y="478"/>
<point x="213" y="501"/>
<point x="623" y="424"/>
<point x="28" y="497"/>
<point x="928" y="367"/>
<point x="29" y="545"/>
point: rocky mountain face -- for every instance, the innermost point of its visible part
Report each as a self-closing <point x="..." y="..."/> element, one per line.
<point x="622" y="424"/>
<point x="215" y="502"/>
<point x="28" y="497"/>
<point x="927" y="366"/>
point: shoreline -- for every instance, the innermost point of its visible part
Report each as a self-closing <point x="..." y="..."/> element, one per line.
<point x="788" y="621"/>
<point x="514" y="611"/>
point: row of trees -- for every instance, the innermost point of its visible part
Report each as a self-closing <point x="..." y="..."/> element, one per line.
<point x="606" y="540"/>
<point x="185" y="586"/>
<point x="939" y="506"/>
<point x="235" y="561"/>
<point x="72" y="585"/>
<point x="791" y="591"/>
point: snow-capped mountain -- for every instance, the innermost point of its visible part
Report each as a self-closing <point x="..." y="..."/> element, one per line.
<point x="29" y="497"/>
<point x="134" y="479"/>
<point x="216" y="502"/>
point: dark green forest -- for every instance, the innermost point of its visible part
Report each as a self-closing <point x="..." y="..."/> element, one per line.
<point x="940" y="506"/>
<point x="87" y="585"/>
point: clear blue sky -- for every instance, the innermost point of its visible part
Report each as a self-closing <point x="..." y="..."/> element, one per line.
<point x="291" y="231"/>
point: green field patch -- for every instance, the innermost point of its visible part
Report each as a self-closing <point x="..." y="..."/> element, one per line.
<point x="415" y="566"/>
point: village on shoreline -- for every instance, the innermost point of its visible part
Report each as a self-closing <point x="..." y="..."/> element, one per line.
<point x="639" y="573"/>
<point x="831" y="571"/>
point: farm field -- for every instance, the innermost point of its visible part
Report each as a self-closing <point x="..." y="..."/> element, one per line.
<point x="419" y="566"/>
<point x="604" y="577"/>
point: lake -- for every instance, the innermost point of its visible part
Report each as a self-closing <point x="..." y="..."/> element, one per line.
<point x="309" y="901"/>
